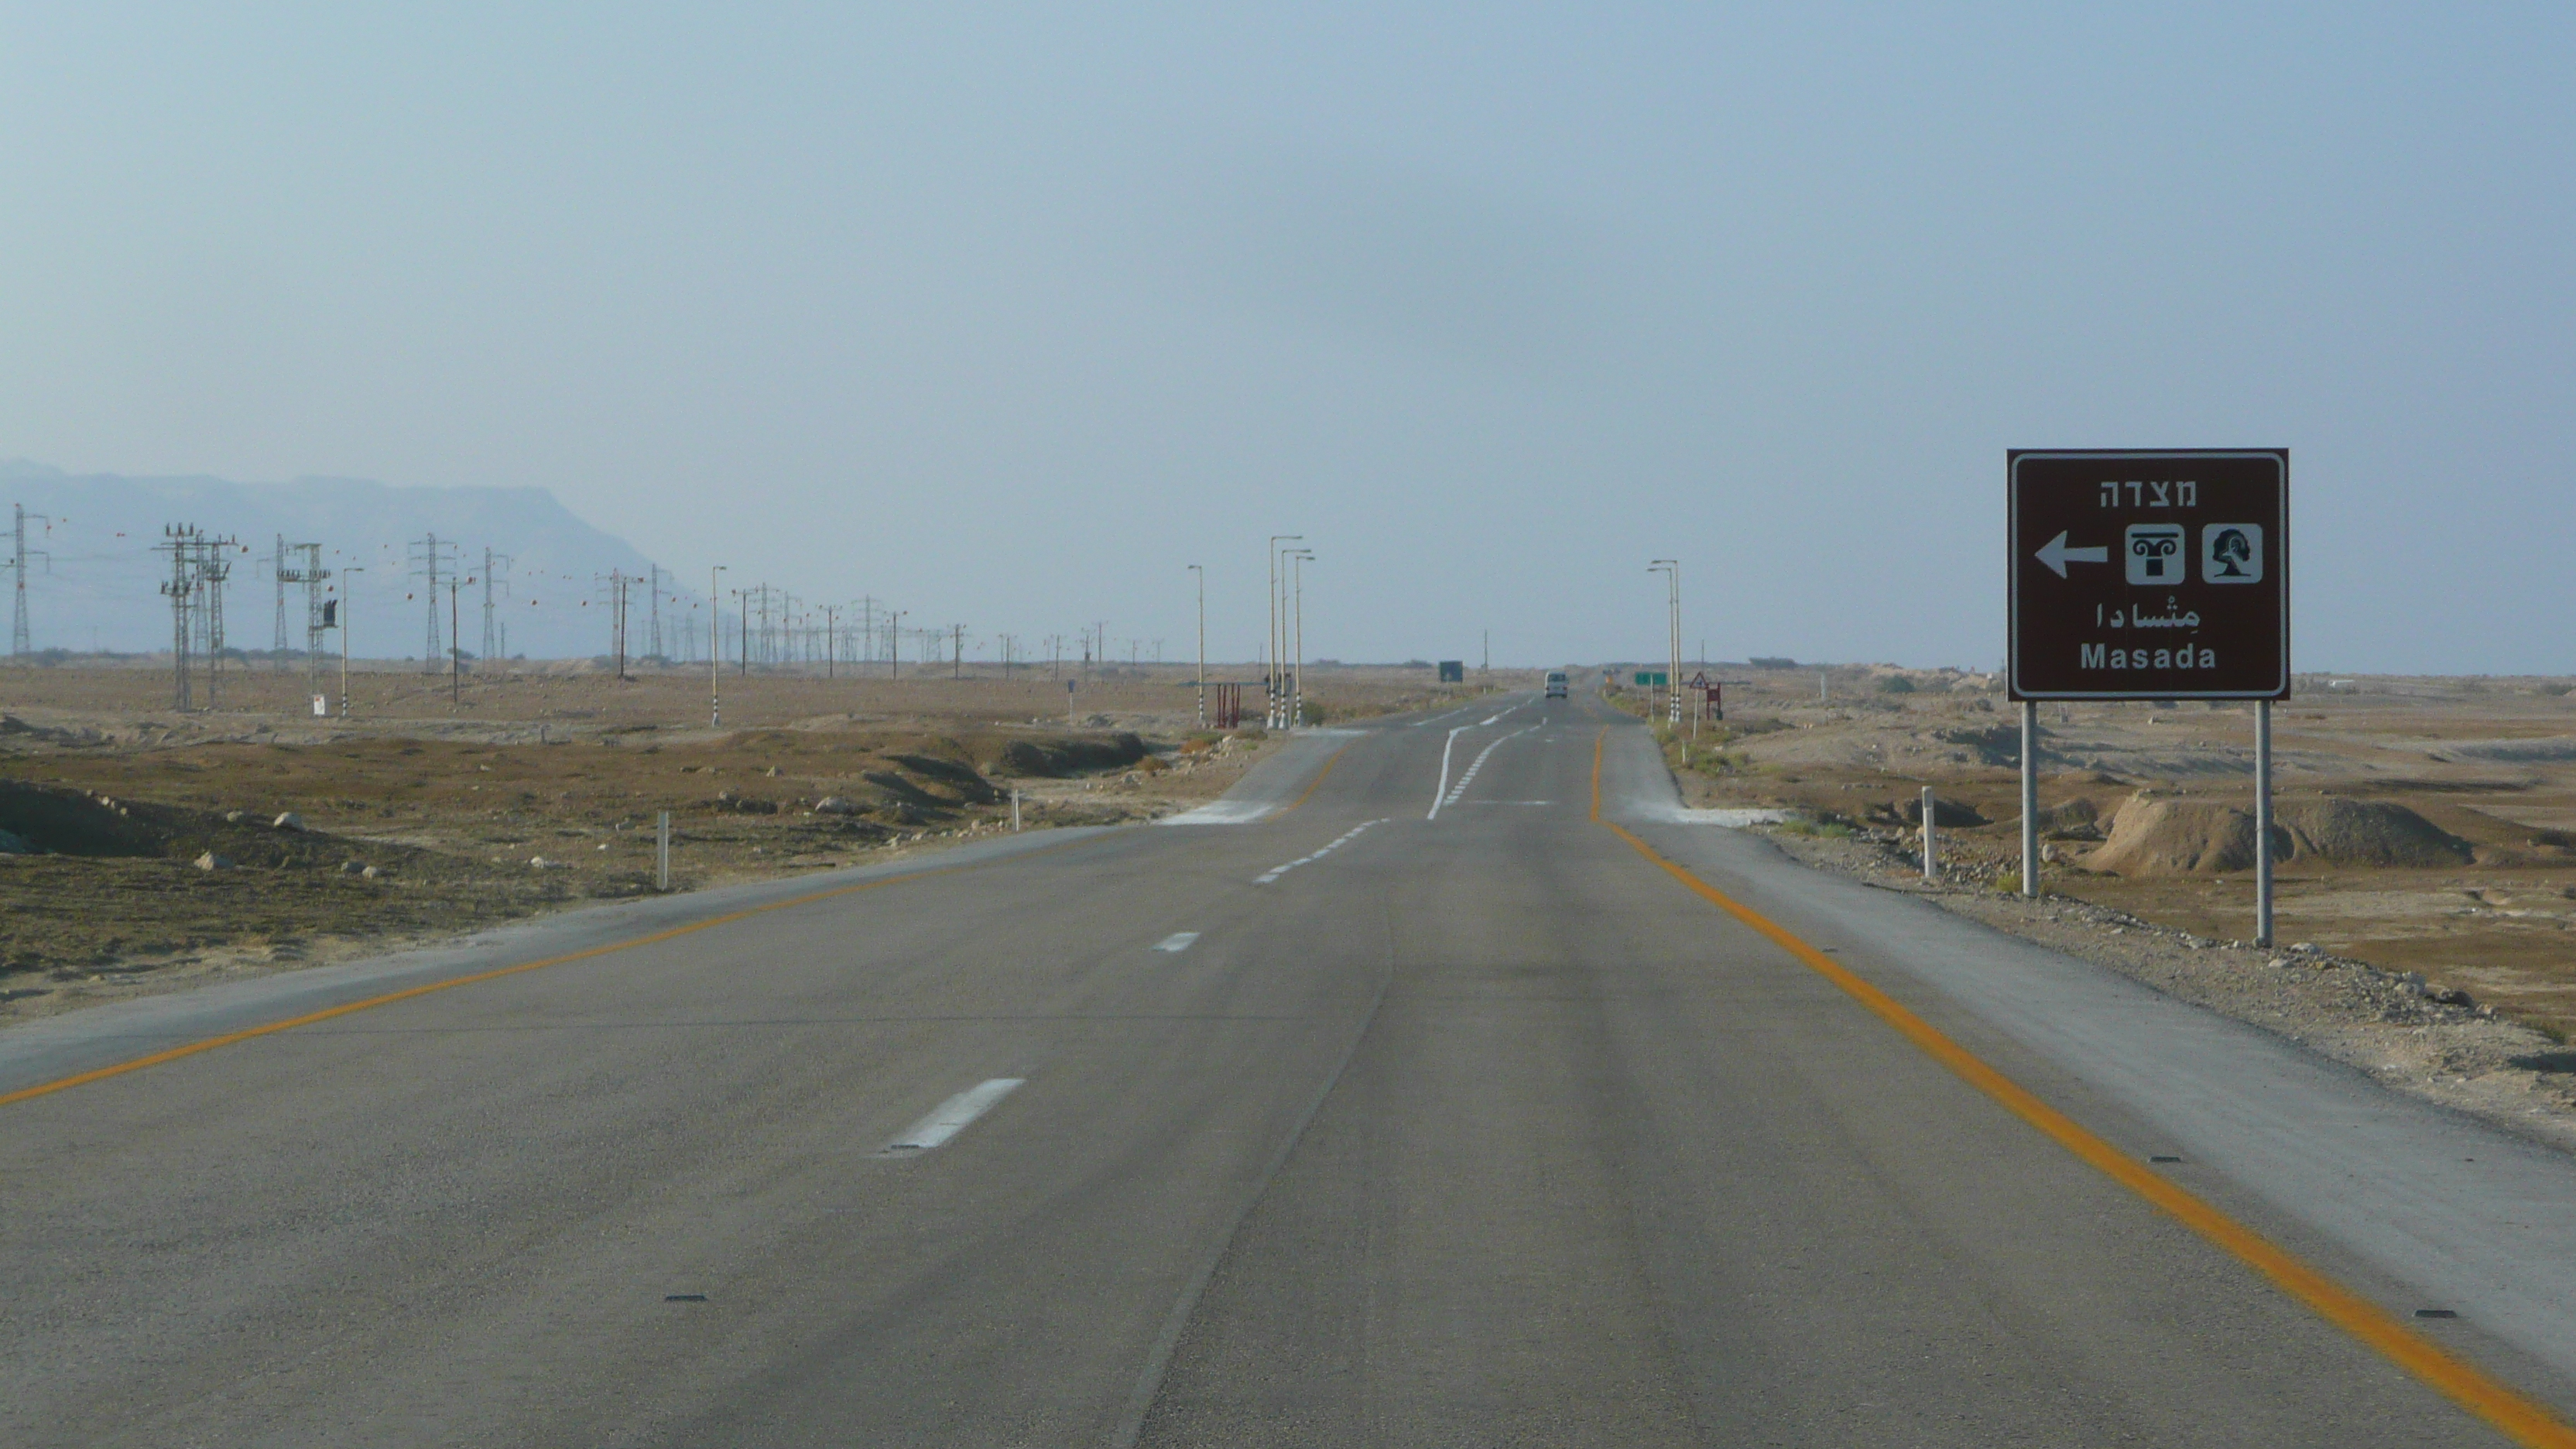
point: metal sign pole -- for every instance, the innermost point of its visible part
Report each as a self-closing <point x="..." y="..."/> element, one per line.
<point x="2029" y="800"/>
<point x="2263" y="822"/>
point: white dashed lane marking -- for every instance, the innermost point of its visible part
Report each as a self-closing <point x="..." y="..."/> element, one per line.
<point x="1469" y="778"/>
<point x="1346" y="837"/>
<point x="1177" y="941"/>
<point x="951" y="1117"/>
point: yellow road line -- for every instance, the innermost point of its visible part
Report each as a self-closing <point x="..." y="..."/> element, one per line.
<point x="177" y="1053"/>
<point x="2523" y="1419"/>
<point x="1312" y="785"/>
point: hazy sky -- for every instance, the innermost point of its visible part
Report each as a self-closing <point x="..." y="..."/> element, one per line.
<point x="1010" y="314"/>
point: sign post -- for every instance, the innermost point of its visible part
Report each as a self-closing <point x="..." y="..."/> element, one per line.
<point x="2150" y="574"/>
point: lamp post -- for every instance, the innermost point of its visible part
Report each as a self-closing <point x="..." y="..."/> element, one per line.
<point x="1297" y="560"/>
<point x="1671" y="569"/>
<point x="1202" y="680"/>
<point x="1270" y="666"/>
<point x="715" y="648"/>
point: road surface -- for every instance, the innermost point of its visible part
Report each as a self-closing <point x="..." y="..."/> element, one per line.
<point x="1413" y="1097"/>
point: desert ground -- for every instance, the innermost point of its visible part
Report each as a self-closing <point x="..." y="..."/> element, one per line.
<point x="145" y="850"/>
<point x="2425" y="829"/>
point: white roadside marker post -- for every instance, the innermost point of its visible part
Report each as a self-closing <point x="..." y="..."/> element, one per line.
<point x="662" y="853"/>
<point x="1015" y="810"/>
<point x="1931" y="871"/>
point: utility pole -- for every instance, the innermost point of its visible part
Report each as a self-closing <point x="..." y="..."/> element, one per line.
<point x="432" y="560"/>
<point x="715" y="649"/>
<point x="957" y="652"/>
<point x="1202" y="677"/>
<point x="831" y="639"/>
<point x="348" y="588"/>
<point x="742" y="633"/>
<point x="894" y="642"/>
<point x="20" y="642"/>
<point x="277" y="573"/>
<point x="455" y="656"/>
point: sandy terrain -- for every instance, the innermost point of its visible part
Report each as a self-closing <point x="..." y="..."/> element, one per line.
<point x="2449" y="970"/>
<point x="424" y="813"/>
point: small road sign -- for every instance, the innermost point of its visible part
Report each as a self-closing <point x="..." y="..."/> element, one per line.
<point x="2150" y="575"/>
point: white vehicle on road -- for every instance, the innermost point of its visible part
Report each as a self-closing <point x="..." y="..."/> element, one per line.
<point x="1556" y="684"/>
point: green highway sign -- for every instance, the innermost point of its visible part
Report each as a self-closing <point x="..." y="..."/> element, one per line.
<point x="1652" y="678"/>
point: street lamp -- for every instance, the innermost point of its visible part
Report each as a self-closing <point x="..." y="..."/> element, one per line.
<point x="1298" y="558"/>
<point x="715" y="649"/>
<point x="1671" y="569"/>
<point x="1270" y="670"/>
<point x="1202" y="680"/>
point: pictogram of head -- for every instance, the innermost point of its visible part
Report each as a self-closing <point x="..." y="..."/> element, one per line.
<point x="2231" y="551"/>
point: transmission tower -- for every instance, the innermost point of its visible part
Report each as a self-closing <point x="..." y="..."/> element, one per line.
<point x="179" y="541"/>
<point x="198" y="568"/>
<point x="653" y="608"/>
<point x="432" y="560"/>
<point x="309" y="572"/>
<point x="495" y="635"/>
<point x="214" y="567"/>
<point x="19" y="643"/>
<point x="618" y="583"/>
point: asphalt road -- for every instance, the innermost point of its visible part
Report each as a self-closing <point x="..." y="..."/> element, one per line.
<point x="1412" y="1105"/>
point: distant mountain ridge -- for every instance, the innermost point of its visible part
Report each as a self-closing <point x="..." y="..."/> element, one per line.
<point x="102" y="590"/>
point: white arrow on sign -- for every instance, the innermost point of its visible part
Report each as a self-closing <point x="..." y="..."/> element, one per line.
<point x="2057" y="555"/>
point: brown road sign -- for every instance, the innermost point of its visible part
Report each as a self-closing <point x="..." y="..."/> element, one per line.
<point x="2150" y="574"/>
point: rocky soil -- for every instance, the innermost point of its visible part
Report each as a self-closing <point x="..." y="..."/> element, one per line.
<point x="2427" y="1037"/>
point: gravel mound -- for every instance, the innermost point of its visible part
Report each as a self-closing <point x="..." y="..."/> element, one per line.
<point x="2161" y="835"/>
